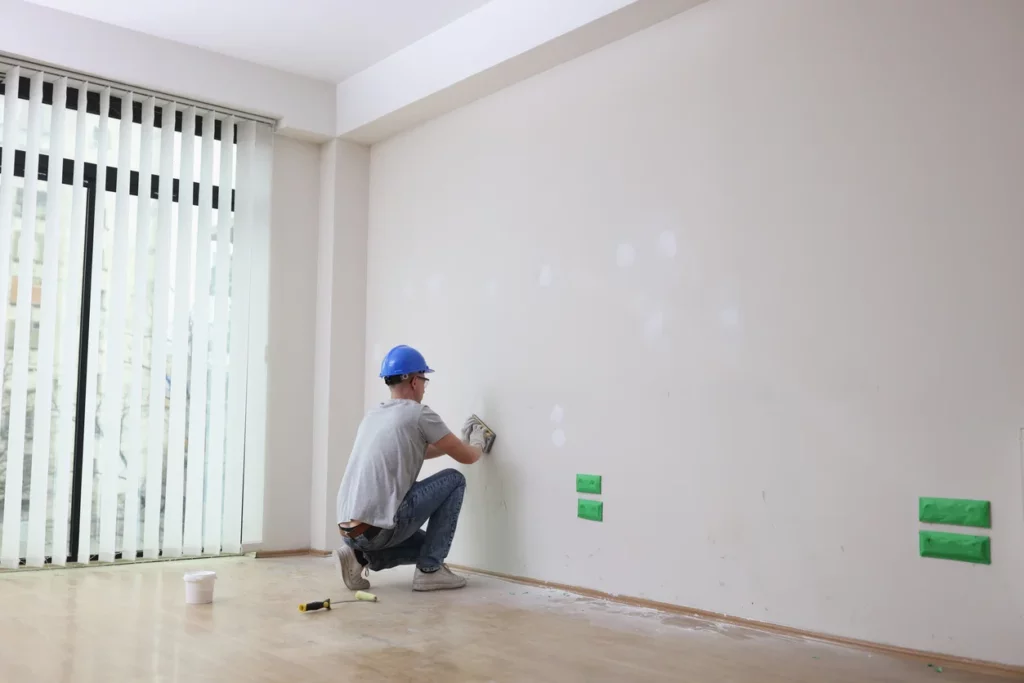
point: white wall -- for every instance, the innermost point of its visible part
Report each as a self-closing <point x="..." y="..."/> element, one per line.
<point x="293" y="257"/>
<point x="819" y="323"/>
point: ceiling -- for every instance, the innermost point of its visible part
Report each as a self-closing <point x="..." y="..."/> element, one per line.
<point x="325" y="39"/>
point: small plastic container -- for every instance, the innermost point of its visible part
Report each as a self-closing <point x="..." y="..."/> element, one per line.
<point x="199" y="587"/>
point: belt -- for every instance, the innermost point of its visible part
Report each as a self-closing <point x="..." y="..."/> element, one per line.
<point x="362" y="529"/>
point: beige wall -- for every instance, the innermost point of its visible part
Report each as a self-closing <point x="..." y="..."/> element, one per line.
<point x="293" y="254"/>
<point x="765" y="260"/>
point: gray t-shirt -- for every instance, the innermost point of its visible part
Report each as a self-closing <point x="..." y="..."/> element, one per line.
<point x="386" y="459"/>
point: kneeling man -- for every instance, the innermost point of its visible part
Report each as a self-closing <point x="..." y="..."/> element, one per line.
<point x="381" y="506"/>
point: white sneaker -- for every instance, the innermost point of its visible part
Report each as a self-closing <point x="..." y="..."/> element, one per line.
<point x="442" y="579"/>
<point x="352" y="573"/>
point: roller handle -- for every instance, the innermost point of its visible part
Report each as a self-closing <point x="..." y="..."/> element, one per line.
<point x="314" y="606"/>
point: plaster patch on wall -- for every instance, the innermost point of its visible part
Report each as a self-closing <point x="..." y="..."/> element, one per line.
<point x="408" y="292"/>
<point x="667" y="244"/>
<point x="557" y="414"/>
<point x="558" y="438"/>
<point x="654" y="326"/>
<point x="625" y="255"/>
<point x="729" y="317"/>
<point x="479" y="406"/>
<point x="545" y="277"/>
<point x="491" y="288"/>
<point x="378" y="353"/>
<point x="435" y="282"/>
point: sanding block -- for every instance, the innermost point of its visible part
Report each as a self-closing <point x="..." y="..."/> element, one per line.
<point x="489" y="435"/>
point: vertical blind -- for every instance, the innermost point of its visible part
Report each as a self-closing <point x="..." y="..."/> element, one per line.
<point x="133" y="261"/>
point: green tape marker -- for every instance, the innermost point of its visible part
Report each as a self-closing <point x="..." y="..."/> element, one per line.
<point x="590" y="509"/>
<point x="961" y="547"/>
<point x="588" y="483"/>
<point x="958" y="511"/>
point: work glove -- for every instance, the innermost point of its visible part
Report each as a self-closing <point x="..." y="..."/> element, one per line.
<point x="467" y="429"/>
<point x="478" y="436"/>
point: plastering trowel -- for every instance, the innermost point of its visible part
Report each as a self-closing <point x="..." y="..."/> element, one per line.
<point x="489" y="434"/>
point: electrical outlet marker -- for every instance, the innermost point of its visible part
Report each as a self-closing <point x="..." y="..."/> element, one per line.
<point x="588" y="483"/>
<point x="590" y="509"/>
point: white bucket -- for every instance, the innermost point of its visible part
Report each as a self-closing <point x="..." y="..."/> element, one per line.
<point x="199" y="587"/>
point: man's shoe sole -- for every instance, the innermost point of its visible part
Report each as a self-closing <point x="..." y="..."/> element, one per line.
<point x="437" y="588"/>
<point x="363" y="585"/>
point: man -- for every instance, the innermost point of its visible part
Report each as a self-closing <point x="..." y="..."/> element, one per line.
<point x="381" y="506"/>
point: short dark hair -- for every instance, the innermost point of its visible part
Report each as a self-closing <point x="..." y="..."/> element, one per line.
<point x="394" y="380"/>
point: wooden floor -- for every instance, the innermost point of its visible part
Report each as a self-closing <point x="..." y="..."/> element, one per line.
<point x="130" y="623"/>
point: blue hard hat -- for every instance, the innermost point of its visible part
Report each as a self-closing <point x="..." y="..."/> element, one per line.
<point x="403" y="360"/>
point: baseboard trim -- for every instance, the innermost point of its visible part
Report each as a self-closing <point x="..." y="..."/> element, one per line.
<point x="298" y="552"/>
<point x="961" y="663"/>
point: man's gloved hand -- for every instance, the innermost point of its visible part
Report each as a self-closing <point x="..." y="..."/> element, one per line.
<point x="478" y="435"/>
<point x="467" y="428"/>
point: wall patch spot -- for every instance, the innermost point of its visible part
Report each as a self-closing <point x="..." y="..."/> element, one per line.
<point x="625" y="255"/>
<point x="434" y="283"/>
<point x="492" y="287"/>
<point x="378" y="353"/>
<point x="545" y="277"/>
<point x="558" y="438"/>
<point x="557" y="414"/>
<point x="655" y="325"/>
<point x="729" y="317"/>
<point x="667" y="244"/>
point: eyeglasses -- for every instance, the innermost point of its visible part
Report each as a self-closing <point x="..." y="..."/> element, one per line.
<point x="425" y="379"/>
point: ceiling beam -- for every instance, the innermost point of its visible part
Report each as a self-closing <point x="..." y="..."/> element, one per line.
<point x="489" y="49"/>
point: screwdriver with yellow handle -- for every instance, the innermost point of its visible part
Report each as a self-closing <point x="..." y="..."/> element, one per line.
<point x="326" y="604"/>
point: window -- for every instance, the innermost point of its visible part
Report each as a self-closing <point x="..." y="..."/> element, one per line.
<point x="125" y="394"/>
<point x="19" y="202"/>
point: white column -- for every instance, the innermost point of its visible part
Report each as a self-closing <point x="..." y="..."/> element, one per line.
<point x="340" y="327"/>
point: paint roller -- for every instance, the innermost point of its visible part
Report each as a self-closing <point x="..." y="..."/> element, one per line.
<point x="361" y="596"/>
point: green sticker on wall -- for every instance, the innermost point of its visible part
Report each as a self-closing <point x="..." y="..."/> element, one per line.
<point x="588" y="483"/>
<point x="962" y="547"/>
<point x="957" y="511"/>
<point x="590" y="509"/>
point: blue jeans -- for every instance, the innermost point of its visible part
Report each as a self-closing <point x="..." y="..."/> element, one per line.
<point x="437" y="498"/>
